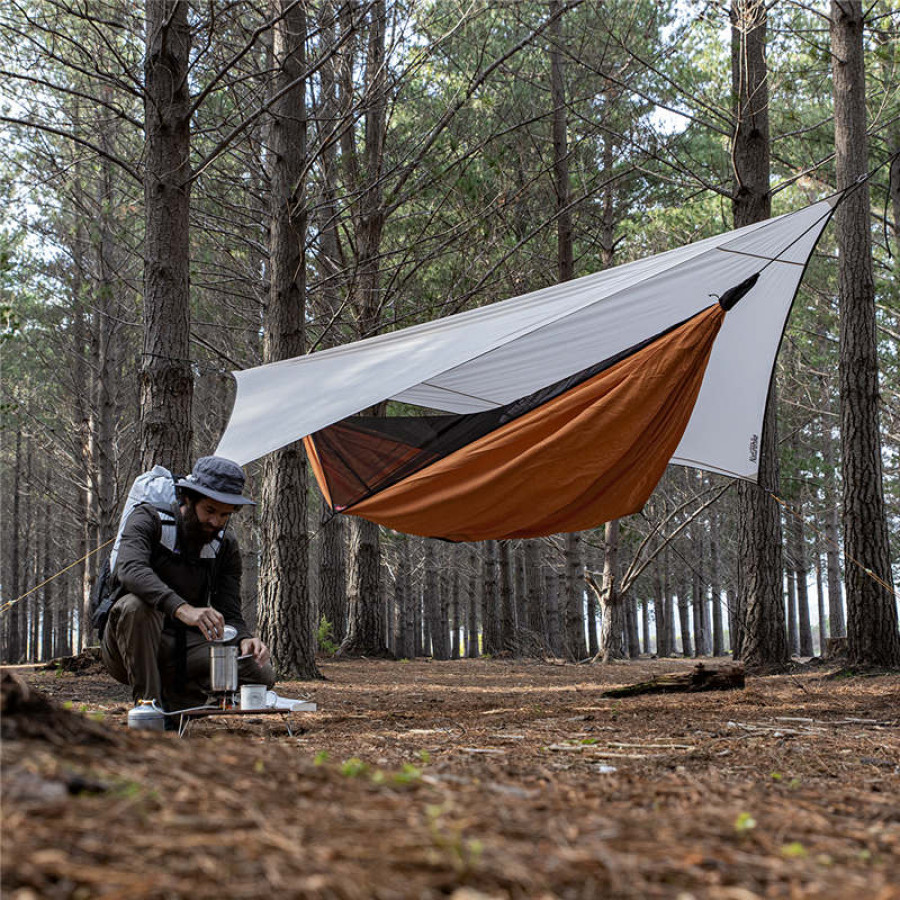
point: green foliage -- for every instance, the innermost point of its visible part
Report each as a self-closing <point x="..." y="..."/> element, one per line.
<point x="325" y="637"/>
<point x="353" y="768"/>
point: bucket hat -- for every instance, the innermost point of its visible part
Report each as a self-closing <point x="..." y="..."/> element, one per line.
<point x="217" y="478"/>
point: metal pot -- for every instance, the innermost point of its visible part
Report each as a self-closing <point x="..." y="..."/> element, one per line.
<point x="223" y="667"/>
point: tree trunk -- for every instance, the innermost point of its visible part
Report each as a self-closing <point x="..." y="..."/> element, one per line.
<point x="454" y="604"/>
<point x="612" y="604"/>
<point x="431" y="600"/>
<point x="13" y="650"/>
<point x="285" y="614"/>
<point x="872" y="635"/>
<point x="837" y="625"/>
<point x="551" y="593"/>
<point x="660" y="610"/>
<point x="718" y="634"/>
<point x="507" y="630"/>
<point x="791" y="602"/>
<point x="166" y="379"/>
<point x="801" y="569"/>
<point x="492" y="642"/>
<point x="333" y="574"/>
<point x="575" y="646"/>
<point x="820" y="599"/>
<point x="684" y="617"/>
<point x="367" y="183"/>
<point x="472" y="597"/>
<point x="365" y="634"/>
<point x="534" y="583"/>
<point x="760" y="603"/>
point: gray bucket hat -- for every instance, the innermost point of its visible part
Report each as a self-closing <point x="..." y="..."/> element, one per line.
<point x="217" y="478"/>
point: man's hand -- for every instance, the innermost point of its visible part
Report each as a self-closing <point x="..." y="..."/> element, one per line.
<point x="259" y="650"/>
<point x="210" y="621"/>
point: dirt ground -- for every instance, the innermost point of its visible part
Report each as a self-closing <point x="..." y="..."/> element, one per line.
<point x="468" y="779"/>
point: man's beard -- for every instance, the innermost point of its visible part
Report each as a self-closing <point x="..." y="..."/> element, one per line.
<point x="195" y="532"/>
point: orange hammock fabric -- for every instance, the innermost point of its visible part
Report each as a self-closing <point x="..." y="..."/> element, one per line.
<point x="592" y="454"/>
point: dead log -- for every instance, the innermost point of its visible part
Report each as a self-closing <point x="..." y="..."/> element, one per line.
<point x="728" y="677"/>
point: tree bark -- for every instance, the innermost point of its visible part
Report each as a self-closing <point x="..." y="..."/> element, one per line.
<point x="575" y="646"/>
<point x="286" y="615"/>
<point x="166" y="379"/>
<point x="333" y="574"/>
<point x="490" y="601"/>
<point x="837" y="625"/>
<point x="612" y="604"/>
<point x="507" y="622"/>
<point x="472" y="598"/>
<point x="760" y="604"/>
<point x="368" y="224"/>
<point x="872" y="635"/>
<point x="13" y="651"/>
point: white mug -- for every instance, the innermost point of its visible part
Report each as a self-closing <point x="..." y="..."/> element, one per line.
<point x="253" y="696"/>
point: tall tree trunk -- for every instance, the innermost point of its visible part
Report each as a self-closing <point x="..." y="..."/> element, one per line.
<point x="551" y="593"/>
<point x="763" y="641"/>
<point x="366" y="300"/>
<point x="575" y="646"/>
<point x="333" y="574"/>
<point x="660" y="610"/>
<point x="684" y="614"/>
<point x="365" y="633"/>
<point x="507" y="621"/>
<point x="454" y="602"/>
<point x="791" y="603"/>
<point x="285" y="613"/>
<point x="490" y="601"/>
<point x="837" y="625"/>
<point x="472" y="579"/>
<point x="431" y="600"/>
<point x="534" y="584"/>
<point x="612" y="604"/>
<point x="872" y="635"/>
<point x="13" y="650"/>
<point x="820" y="600"/>
<point x="718" y="633"/>
<point x="49" y="566"/>
<point x="801" y="569"/>
<point x="166" y="379"/>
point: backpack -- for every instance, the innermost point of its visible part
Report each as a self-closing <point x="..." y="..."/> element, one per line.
<point x="155" y="488"/>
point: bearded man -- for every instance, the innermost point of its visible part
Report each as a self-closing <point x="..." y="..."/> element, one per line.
<point x="169" y="603"/>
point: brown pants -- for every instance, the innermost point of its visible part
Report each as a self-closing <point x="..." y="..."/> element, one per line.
<point x="138" y="652"/>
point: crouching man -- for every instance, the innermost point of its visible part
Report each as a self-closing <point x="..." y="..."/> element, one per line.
<point x="172" y="602"/>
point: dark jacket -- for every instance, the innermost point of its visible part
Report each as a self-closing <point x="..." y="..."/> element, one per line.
<point x="165" y="579"/>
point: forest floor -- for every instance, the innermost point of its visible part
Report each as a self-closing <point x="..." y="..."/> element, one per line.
<point x="468" y="779"/>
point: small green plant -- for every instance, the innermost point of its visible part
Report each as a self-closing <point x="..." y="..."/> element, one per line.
<point x="424" y="757"/>
<point x="353" y="768"/>
<point x="744" y="823"/>
<point x="320" y="758"/>
<point x="259" y="767"/>
<point x="325" y="637"/>
<point x="794" y="850"/>
<point x="407" y="774"/>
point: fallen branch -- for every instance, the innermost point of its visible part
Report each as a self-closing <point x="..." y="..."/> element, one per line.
<point x="700" y="678"/>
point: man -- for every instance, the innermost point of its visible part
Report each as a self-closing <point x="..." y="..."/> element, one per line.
<point x="171" y="603"/>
